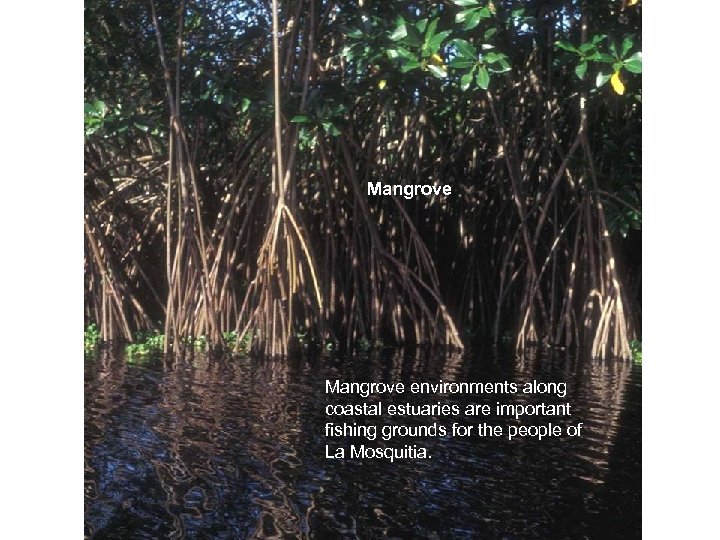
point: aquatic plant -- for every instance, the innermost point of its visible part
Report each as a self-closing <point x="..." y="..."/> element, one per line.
<point x="92" y="336"/>
<point x="145" y="343"/>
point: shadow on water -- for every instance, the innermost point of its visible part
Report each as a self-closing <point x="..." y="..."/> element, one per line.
<point x="200" y="448"/>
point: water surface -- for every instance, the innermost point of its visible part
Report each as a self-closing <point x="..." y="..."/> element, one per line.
<point x="200" y="448"/>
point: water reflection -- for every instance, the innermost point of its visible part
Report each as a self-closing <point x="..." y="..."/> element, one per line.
<point x="202" y="448"/>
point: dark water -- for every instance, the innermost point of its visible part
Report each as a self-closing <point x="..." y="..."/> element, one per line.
<point x="206" y="449"/>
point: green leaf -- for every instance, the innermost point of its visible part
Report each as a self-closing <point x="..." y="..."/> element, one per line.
<point x="613" y="49"/>
<point x="402" y="52"/>
<point x="410" y="65"/>
<point x="581" y="69"/>
<point x="493" y="57"/>
<point x="461" y="63"/>
<point x="301" y="119"/>
<point x="465" y="49"/>
<point x="465" y="3"/>
<point x="466" y="80"/>
<point x="626" y="46"/>
<point x="100" y="107"/>
<point x="586" y="47"/>
<point x="347" y="52"/>
<point x="634" y="63"/>
<point x="430" y="31"/>
<point x="462" y="16"/>
<point x="472" y="19"/>
<point x="414" y="37"/>
<point x="483" y="78"/>
<point x="399" y="33"/>
<point x="245" y="104"/>
<point x="564" y="45"/>
<point x="438" y="71"/>
<point x="433" y="45"/>
<point x="605" y="57"/>
<point x="601" y="79"/>
<point x="490" y="32"/>
<point x="330" y="128"/>
<point x="504" y="65"/>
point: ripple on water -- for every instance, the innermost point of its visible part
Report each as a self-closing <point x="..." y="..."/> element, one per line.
<point x="208" y="449"/>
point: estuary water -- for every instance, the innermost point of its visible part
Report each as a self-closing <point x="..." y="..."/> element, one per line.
<point x="203" y="448"/>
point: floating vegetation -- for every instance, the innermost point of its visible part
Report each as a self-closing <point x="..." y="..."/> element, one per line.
<point x="92" y="337"/>
<point x="145" y="343"/>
